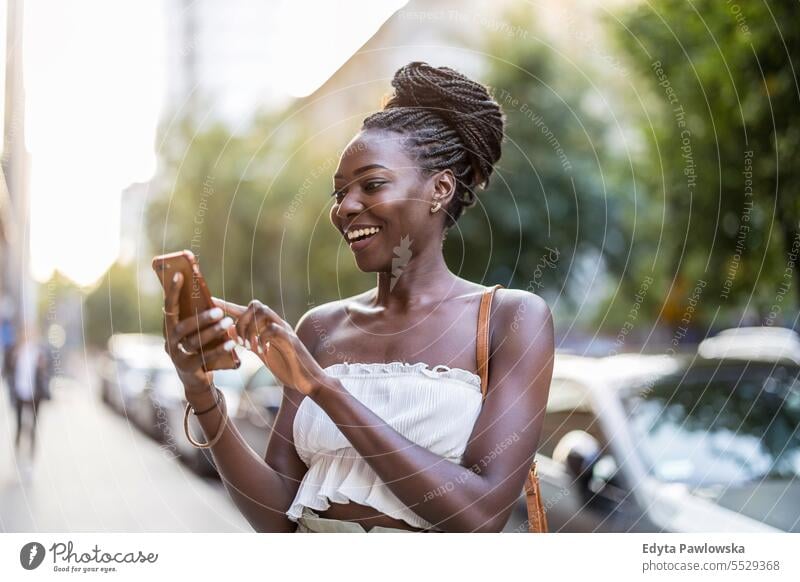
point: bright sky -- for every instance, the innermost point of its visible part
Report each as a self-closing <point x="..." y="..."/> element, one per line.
<point x="95" y="74"/>
<point x="94" y="85"/>
<point x="322" y="35"/>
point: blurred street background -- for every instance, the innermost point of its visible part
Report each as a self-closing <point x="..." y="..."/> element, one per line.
<point x="98" y="473"/>
<point x="647" y="191"/>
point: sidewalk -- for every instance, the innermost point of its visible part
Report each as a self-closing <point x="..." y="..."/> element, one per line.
<point x="95" y="472"/>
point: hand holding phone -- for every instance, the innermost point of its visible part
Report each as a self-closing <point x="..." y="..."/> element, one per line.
<point x="199" y="339"/>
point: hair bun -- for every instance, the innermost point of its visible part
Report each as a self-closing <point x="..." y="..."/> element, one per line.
<point x="464" y="104"/>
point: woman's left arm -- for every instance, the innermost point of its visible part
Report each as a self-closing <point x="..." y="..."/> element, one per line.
<point x="479" y="494"/>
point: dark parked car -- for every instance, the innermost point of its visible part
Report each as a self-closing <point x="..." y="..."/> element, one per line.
<point x="636" y="443"/>
<point x="128" y="367"/>
<point x="148" y="409"/>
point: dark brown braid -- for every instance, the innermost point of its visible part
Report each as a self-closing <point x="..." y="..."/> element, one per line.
<point x="449" y="121"/>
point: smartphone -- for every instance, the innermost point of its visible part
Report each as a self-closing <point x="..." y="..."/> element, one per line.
<point x="194" y="299"/>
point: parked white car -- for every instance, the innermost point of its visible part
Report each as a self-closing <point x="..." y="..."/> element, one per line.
<point x="656" y="443"/>
<point x="753" y="343"/>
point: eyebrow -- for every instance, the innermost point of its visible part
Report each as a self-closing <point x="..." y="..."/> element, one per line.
<point x="363" y="169"/>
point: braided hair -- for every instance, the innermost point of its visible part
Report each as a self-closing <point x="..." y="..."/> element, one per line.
<point x="449" y="122"/>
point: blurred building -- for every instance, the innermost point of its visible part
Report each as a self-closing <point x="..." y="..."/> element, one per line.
<point x="441" y="32"/>
<point x="6" y="233"/>
<point x="219" y="52"/>
<point x="232" y="59"/>
<point x="135" y="246"/>
<point x="17" y="289"/>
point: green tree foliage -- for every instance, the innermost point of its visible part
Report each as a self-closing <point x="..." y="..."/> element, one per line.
<point x="117" y="304"/>
<point x="721" y="124"/>
<point x="551" y="210"/>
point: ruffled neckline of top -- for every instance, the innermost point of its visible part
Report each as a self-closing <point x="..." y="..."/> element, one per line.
<point x="438" y="371"/>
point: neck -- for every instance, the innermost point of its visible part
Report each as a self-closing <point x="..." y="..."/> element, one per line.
<point x="425" y="278"/>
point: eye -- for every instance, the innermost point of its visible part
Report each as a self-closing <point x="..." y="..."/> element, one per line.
<point x="338" y="195"/>
<point x="373" y="185"/>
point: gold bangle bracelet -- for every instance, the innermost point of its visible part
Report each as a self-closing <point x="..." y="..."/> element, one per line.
<point x="223" y="423"/>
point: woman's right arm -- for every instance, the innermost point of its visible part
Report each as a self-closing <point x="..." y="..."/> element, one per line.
<point x="262" y="489"/>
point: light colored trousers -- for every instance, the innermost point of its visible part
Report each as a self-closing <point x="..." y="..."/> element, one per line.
<point x="310" y="522"/>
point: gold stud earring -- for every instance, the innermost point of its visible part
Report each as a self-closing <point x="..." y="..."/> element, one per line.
<point x="436" y="207"/>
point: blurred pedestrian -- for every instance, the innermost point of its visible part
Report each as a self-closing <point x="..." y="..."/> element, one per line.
<point x="26" y="369"/>
<point x="6" y="331"/>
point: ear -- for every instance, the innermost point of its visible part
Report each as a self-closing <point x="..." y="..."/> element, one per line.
<point x="443" y="185"/>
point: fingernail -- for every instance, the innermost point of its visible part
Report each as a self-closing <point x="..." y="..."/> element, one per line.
<point x="175" y="278"/>
<point x="229" y="345"/>
<point x="216" y="313"/>
<point x="247" y="343"/>
<point x="239" y="340"/>
<point x="226" y="323"/>
<point x="258" y="347"/>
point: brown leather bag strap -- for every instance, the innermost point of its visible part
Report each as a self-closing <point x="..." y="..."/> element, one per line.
<point x="537" y="517"/>
<point x="483" y="337"/>
<point x="537" y="520"/>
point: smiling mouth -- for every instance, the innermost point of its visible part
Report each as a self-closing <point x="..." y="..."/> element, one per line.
<point x="360" y="238"/>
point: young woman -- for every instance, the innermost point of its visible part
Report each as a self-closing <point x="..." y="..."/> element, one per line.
<point x="397" y="438"/>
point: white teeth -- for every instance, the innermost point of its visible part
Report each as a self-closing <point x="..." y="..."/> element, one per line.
<point x="353" y="234"/>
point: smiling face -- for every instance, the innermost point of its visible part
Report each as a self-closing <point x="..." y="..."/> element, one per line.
<point x="382" y="196"/>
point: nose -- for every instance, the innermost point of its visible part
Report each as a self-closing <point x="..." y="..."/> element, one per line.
<point x="350" y="206"/>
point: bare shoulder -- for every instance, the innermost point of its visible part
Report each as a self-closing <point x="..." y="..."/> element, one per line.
<point x="315" y="322"/>
<point x="518" y="308"/>
<point x="523" y="346"/>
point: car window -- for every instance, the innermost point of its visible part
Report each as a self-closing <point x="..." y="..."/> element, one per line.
<point x="263" y="377"/>
<point x="229" y="379"/>
<point x="720" y="423"/>
<point x="134" y="380"/>
<point x="568" y="394"/>
<point x="167" y="383"/>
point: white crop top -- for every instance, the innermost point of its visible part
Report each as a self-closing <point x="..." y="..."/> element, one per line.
<point x="434" y="408"/>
